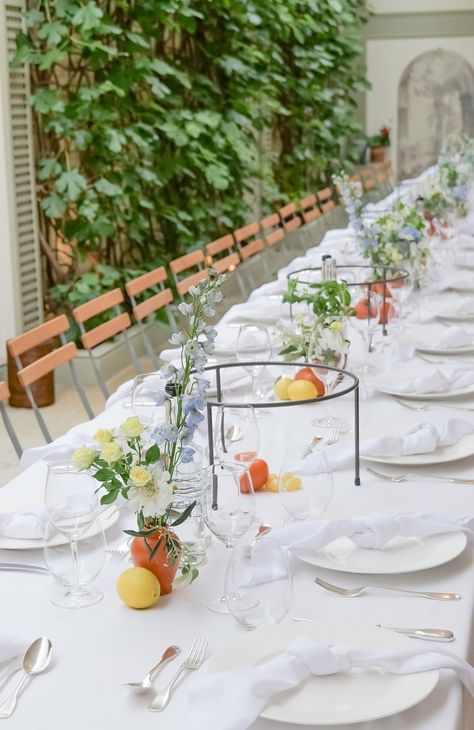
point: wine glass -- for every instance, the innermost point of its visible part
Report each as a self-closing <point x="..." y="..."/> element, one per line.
<point x="258" y="584"/>
<point x="72" y="506"/>
<point x="91" y="555"/>
<point x="236" y="435"/>
<point x="253" y="345"/>
<point x="368" y="306"/>
<point x="400" y="290"/>
<point x="233" y="514"/>
<point x="145" y="389"/>
<point x="305" y="496"/>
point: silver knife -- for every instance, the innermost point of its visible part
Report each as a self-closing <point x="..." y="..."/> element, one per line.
<point x="24" y="567"/>
<point x="427" y="634"/>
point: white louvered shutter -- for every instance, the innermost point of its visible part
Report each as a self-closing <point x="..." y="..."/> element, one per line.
<point x="21" y="229"/>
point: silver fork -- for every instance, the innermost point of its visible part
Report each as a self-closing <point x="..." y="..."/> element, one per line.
<point x="411" y="475"/>
<point x="332" y="437"/>
<point x="119" y="552"/>
<point x="194" y="660"/>
<point x="353" y="592"/>
<point x="432" y="407"/>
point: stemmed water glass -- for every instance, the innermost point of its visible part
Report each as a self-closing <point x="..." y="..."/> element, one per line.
<point x="72" y="506"/>
<point x="400" y="291"/>
<point x="368" y="308"/>
<point x="305" y="497"/>
<point x="234" y="513"/>
<point x="258" y="584"/>
<point x="236" y="435"/>
<point x="253" y="345"/>
<point x="143" y="404"/>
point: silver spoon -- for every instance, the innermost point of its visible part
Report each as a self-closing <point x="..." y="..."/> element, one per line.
<point x="168" y="655"/>
<point x="36" y="659"/>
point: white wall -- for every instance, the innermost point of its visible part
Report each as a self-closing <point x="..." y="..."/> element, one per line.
<point x="386" y="62"/>
<point x="419" y="6"/>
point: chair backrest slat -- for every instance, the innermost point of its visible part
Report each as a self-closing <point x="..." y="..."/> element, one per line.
<point x="309" y="208"/>
<point x="290" y="217"/>
<point x="46" y="364"/>
<point x="194" y="258"/>
<point x="183" y="286"/>
<point x="252" y="248"/>
<point x="18" y="345"/>
<point x="4" y="392"/>
<point x="251" y="229"/>
<point x="226" y="263"/>
<point x="326" y="200"/>
<point x="145" y="281"/>
<point x="105" y="331"/>
<point x="98" y="305"/>
<point x="248" y="247"/>
<point x="152" y="304"/>
<point x="220" y="244"/>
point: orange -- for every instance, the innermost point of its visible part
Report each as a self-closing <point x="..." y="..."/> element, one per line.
<point x="308" y="374"/>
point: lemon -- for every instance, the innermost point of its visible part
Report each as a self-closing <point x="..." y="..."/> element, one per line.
<point x="302" y="390"/>
<point x="293" y="484"/>
<point x="271" y="485"/>
<point x="138" y="588"/>
<point x="281" y="388"/>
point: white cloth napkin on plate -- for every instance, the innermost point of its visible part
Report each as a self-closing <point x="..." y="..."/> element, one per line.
<point x="423" y="438"/>
<point x="453" y="337"/>
<point x="433" y="381"/>
<point x="369" y="531"/>
<point x="23" y="525"/>
<point x="460" y="281"/>
<point x="232" y="700"/>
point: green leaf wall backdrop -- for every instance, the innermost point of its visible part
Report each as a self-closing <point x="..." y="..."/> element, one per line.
<point x="149" y="116"/>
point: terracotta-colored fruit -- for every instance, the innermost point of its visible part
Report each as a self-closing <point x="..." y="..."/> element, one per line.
<point x="160" y="564"/>
<point x="362" y="309"/>
<point x="308" y="374"/>
<point x="258" y="474"/>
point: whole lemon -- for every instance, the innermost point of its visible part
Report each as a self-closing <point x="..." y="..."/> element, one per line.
<point x="138" y="588"/>
<point x="281" y="388"/>
<point x="271" y="485"/>
<point x="302" y="390"/>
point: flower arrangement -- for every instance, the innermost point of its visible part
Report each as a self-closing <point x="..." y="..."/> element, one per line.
<point x="142" y="467"/>
<point x="382" y="139"/>
<point x="432" y="199"/>
<point x="323" y="339"/>
<point x="395" y="236"/>
<point x="351" y="192"/>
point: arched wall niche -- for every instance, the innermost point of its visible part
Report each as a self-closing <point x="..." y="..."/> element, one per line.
<point x="435" y="98"/>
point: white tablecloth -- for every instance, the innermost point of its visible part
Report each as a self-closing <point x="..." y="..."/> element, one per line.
<point x="99" y="648"/>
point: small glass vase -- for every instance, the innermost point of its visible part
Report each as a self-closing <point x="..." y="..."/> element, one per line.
<point x="192" y="533"/>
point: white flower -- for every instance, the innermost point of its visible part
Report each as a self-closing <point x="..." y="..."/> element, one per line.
<point x="140" y="476"/>
<point x="155" y="496"/>
<point x="83" y="457"/>
<point x="103" y="436"/>
<point x="132" y="427"/>
<point x="111" y="452"/>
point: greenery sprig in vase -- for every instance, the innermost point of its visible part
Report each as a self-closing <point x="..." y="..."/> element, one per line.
<point x="323" y="338"/>
<point x="140" y="466"/>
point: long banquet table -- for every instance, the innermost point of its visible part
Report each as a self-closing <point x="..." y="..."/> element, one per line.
<point x="99" y="648"/>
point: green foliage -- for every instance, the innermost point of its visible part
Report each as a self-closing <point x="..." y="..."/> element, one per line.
<point x="149" y="116"/>
<point x="329" y="300"/>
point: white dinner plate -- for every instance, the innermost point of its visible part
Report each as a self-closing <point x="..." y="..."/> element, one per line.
<point x="401" y="555"/>
<point x="444" y="454"/>
<point x="344" y="698"/>
<point x="107" y="518"/>
<point x="466" y="350"/>
<point x="443" y="395"/>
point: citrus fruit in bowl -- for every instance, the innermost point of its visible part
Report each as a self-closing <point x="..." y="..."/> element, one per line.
<point x="302" y="390"/>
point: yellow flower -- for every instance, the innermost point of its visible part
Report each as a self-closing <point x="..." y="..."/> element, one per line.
<point x="83" y="457"/>
<point x="336" y="326"/>
<point x="131" y="428"/>
<point x="103" y="436"/>
<point x="140" y="476"/>
<point x="111" y="452"/>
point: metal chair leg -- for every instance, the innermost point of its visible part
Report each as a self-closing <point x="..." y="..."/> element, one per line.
<point x="10" y="430"/>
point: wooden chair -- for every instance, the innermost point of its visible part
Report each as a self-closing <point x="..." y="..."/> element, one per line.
<point x="4" y="395"/>
<point x="251" y="245"/>
<point x="118" y="324"/>
<point x="184" y="263"/>
<point x="290" y="217"/>
<point x="273" y="232"/>
<point x="326" y="200"/>
<point x="309" y="208"/>
<point x="31" y="373"/>
<point x="221" y="256"/>
<point x="369" y="184"/>
<point x="154" y="302"/>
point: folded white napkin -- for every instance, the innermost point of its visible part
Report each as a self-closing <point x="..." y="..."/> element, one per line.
<point x="261" y="311"/>
<point x="466" y="306"/>
<point x="423" y="438"/>
<point x="433" y="381"/>
<point x="23" y="525"/>
<point x="272" y="288"/>
<point x="453" y="337"/>
<point x="232" y="700"/>
<point x="459" y="281"/>
<point x="369" y="531"/>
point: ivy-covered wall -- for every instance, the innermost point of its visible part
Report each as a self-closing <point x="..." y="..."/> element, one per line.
<point x="149" y="116"/>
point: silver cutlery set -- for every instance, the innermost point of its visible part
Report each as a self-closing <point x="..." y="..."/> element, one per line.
<point x="194" y="660"/>
<point x="36" y="659"/>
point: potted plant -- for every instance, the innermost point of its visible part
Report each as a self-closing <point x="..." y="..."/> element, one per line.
<point x="378" y="143"/>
